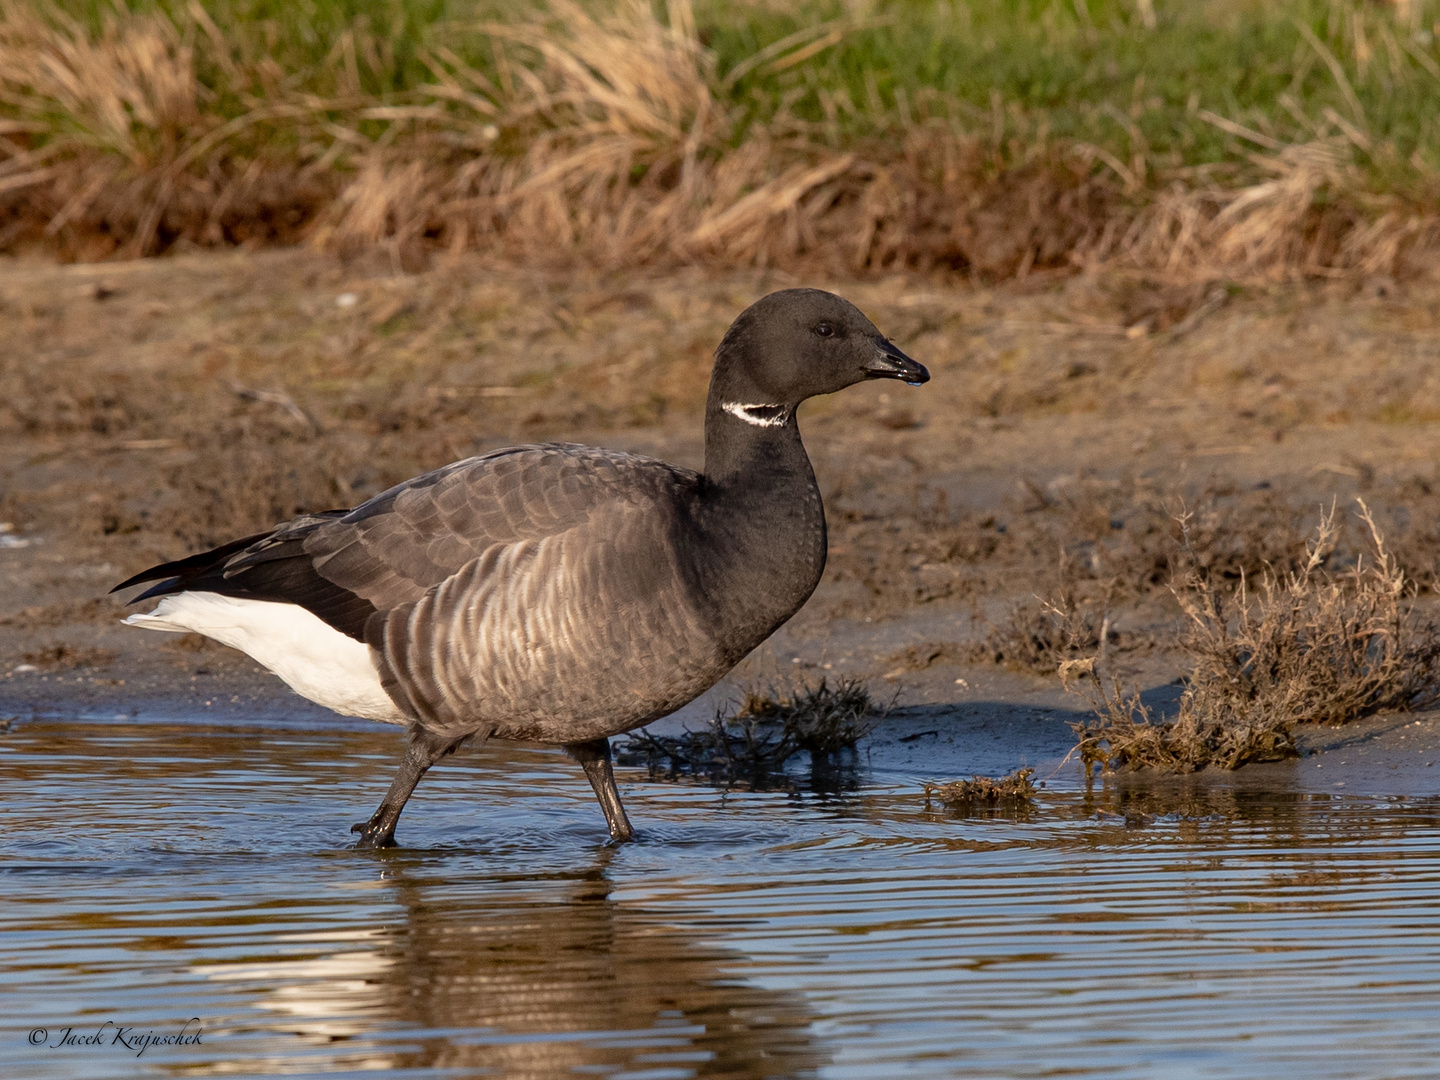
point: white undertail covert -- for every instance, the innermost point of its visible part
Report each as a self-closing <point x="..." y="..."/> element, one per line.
<point x="316" y="660"/>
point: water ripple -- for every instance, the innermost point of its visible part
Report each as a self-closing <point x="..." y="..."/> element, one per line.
<point x="157" y="872"/>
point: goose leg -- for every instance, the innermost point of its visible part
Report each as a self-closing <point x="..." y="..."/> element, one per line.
<point x="594" y="758"/>
<point x="379" y="831"/>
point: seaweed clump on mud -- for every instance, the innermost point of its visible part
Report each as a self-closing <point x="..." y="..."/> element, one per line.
<point x="752" y="744"/>
<point x="64" y="656"/>
<point x="983" y="791"/>
<point x="1310" y="646"/>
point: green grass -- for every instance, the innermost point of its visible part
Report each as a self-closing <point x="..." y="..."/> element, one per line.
<point x="1205" y="96"/>
<point x="1026" y="71"/>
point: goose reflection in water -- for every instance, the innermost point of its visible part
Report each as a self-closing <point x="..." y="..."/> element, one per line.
<point x="532" y="981"/>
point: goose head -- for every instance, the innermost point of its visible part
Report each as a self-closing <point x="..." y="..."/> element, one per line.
<point x="795" y="344"/>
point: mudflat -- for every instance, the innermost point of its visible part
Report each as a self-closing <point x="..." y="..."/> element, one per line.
<point x="151" y="408"/>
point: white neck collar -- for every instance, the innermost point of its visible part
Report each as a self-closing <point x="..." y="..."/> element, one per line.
<point x="758" y="415"/>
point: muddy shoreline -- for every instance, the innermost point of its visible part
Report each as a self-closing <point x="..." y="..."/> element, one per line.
<point x="154" y="407"/>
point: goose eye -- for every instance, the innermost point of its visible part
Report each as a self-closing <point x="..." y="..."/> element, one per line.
<point x="824" y="329"/>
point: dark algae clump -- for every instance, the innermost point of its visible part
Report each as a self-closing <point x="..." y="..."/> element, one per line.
<point x="1011" y="789"/>
<point x="752" y="743"/>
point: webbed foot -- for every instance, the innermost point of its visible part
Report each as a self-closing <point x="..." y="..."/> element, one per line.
<point x="374" y="834"/>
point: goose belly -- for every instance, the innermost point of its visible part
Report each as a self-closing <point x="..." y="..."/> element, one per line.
<point x="317" y="661"/>
<point x="533" y="690"/>
<point x="537" y="682"/>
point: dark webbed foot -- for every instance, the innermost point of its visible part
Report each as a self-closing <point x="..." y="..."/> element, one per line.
<point x="373" y="833"/>
<point x="594" y="758"/>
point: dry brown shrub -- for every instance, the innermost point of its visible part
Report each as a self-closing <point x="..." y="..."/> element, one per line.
<point x="1126" y="734"/>
<point x="1036" y="636"/>
<point x="1308" y="646"/>
<point x="1315" y="646"/>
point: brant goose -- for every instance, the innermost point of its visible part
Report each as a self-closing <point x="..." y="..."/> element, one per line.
<point x="557" y="593"/>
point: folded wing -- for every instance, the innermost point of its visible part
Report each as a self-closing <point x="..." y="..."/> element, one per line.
<point x="536" y="583"/>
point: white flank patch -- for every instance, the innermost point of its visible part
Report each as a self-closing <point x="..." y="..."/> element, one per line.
<point x="316" y="660"/>
<point x="741" y="410"/>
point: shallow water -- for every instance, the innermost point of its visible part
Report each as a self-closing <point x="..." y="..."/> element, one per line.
<point x="153" y="872"/>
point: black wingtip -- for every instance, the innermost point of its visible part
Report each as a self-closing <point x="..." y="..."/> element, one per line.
<point x="138" y="579"/>
<point x="172" y="571"/>
<point x="165" y="585"/>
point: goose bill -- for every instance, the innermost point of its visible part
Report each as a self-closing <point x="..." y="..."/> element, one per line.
<point x="891" y="363"/>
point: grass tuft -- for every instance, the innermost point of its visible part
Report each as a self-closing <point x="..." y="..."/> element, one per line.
<point x="1308" y="646"/>
<point x="821" y="719"/>
<point x="1126" y="734"/>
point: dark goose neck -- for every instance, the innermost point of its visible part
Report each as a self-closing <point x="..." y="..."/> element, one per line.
<point x="761" y="516"/>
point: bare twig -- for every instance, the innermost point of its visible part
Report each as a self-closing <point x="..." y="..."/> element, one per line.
<point x="283" y="400"/>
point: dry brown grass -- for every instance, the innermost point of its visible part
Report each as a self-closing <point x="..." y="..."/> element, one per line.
<point x="1126" y="734"/>
<point x="610" y="136"/>
<point x="1312" y="213"/>
<point x="625" y="157"/>
<point x="112" y="149"/>
<point x="1037" y="636"/>
<point x="1308" y="646"/>
<point x="751" y="744"/>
